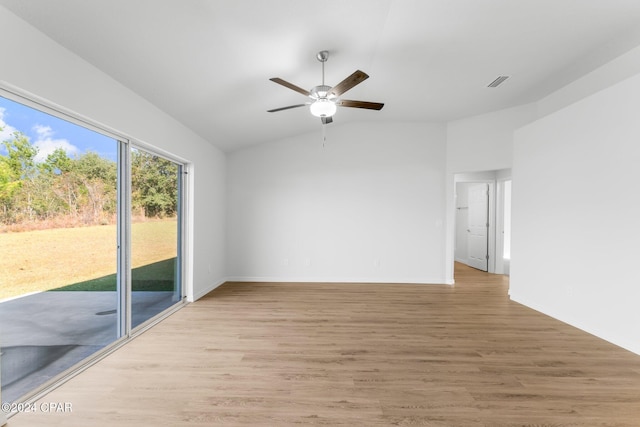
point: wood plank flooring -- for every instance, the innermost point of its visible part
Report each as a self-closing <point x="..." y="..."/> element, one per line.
<point x="356" y="355"/>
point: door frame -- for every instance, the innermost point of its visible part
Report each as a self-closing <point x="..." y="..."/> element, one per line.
<point x="493" y="178"/>
<point x="500" y="223"/>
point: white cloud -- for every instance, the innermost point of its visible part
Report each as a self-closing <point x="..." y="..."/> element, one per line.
<point x="7" y="130"/>
<point x="44" y="139"/>
<point x="44" y="132"/>
<point x="47" y="144"/>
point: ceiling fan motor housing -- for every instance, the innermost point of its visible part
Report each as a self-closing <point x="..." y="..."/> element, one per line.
<point x="322" y="56"/>
<point x="321" y="92"/>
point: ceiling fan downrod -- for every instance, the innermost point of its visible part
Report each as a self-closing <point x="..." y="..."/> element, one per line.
<point x="322" y="56"/>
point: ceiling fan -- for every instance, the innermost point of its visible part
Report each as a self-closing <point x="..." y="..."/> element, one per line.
<point x="325" y="100"/>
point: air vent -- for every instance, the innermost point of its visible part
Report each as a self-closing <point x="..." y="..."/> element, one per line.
<point x="498" y="81"/>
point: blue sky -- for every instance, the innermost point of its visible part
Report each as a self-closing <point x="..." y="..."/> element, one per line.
<point x="48" y="132"/>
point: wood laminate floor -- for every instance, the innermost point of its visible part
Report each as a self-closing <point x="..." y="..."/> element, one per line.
<point x="356" y="355"/>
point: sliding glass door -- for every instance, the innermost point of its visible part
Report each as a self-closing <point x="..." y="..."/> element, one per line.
<point x="155" y="235"/>
<point x="58" y="199"/>
<point x="90" y="237"/>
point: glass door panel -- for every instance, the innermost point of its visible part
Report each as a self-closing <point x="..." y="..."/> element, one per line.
<point x="58" y="197"/>
<point x="155" y="235"/>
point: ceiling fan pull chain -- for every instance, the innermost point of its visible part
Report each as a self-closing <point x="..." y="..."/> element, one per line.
<point x="324" y="134"/>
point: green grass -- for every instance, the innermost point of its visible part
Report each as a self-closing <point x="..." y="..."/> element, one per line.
<point x="153" y="277"/>
<point x="41" y="260"/>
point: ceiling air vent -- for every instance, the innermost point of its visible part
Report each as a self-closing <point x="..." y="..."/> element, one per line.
<point x="498" y="81"/>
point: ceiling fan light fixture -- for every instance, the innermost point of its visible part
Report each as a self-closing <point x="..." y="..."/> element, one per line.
<point x="323" y="108"/>
<point x="325" y="100"/>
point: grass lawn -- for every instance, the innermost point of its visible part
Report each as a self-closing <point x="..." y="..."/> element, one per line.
<point x="157" y="276"/>
<point x="36" y="261"/>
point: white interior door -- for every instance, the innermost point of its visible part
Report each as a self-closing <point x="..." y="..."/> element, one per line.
<point x="478" y="226"/>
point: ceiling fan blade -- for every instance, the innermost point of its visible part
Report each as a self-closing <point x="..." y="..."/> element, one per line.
<point x="360" y="104"/>
<point x="356" y="78"/>
<point x="285" y="108"/>
<point x="326" y="120"/>
<point x="290" y="86"/>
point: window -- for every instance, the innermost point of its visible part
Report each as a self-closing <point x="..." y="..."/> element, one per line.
<point x="91" y="242"/>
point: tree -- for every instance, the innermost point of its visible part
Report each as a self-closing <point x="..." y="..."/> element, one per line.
<point x="82" y="188"/>
<point x="57" y="169"/>
<point x="17" y="175"/>
<point x="8" y="186"/>
<point x="154" y="184"/>
<point x="20" y="155"/>
<point x="57" y="162"/>
<point x="96" y="177"/>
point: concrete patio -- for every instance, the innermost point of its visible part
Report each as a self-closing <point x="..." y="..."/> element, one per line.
<point x="46" y="333"/>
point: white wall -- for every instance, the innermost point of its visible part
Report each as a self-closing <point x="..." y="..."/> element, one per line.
<point x="367" y="207"/>
<point x="34" y="63"/>
<point x="576" y="207"/>
<point x="485" y="142"/>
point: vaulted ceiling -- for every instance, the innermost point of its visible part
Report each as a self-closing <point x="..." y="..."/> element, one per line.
<point x="207" y="63"/>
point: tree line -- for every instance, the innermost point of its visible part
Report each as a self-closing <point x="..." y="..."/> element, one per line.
<point x="79" y="190"/>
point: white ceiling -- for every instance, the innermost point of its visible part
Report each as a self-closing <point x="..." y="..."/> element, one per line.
<point x="208" y="62"/>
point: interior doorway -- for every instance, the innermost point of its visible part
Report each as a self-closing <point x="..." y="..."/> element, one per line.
<point x="482" y="218"/>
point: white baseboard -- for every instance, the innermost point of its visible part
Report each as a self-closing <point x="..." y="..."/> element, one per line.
<point x="208" y="289"/>
<point x="403" y="280"/>
<point x="261" y="279"/>
<point x="627" y="345"/>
